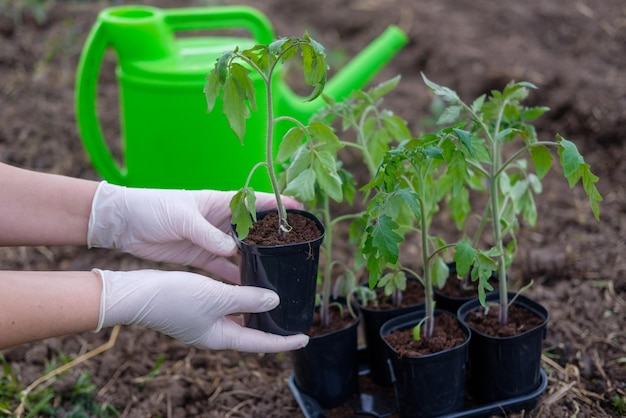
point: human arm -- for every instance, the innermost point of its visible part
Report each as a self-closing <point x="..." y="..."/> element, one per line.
<point x="43" y="209"/>
<point x="189" y="307"/>
<point x="176" y="226"/>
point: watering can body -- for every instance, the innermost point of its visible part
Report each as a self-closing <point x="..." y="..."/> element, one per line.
<point x="168" y="138"/>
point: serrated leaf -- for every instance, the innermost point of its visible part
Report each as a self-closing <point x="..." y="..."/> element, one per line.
<point x="574" y="168"/>
<point x="235" y="108"/>
<point x="411" y="200"/>
<point x="324" y="166"/>
<point x="276" y="47"/>
<point x="290" y="143"/>
<point x="385" y="239"/>
<point x="465" y="138"/>
<point x="384" y="87"/>
<point x="532" y="113"/>
<point x="222" y="66"/>
<point x="302" y="159"/>
<point x="396" y="126"/>
<point x="314" y="64"/>
<point x="542" y="160"/>
<point x="449" y="115"/>
<point x="302" y="187"/>
<point x="464" y="256"/>
<point x="241" y="217"/>
<point x="447" y="94"/>
<point x="211" y="90"/>
<point x="325" y="135"/>
<point x="478" y="103"/>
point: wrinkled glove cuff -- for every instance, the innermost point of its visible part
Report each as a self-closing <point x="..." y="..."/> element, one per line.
<point x="102" y="300"/>
<point x="107" y="221"/>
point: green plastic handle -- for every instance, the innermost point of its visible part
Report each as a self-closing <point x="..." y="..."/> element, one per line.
<point x="89" y="128"/>
<point x="176" y="20"/>
<point x="221" y="17"/>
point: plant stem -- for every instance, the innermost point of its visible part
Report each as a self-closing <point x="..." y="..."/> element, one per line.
<point x="328" y="248"/>
<point x="496" y="158"/>
<point x="429" y="324"/>
<point x="283" y="226"/>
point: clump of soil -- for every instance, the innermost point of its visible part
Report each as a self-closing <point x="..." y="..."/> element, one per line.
<point x="487" y="321"/>
<point x="447" y="334"/>
<point x="265" y="230"/>
<point x="412" y="295"/>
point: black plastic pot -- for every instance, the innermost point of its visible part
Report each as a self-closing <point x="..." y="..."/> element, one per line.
<point x="430" y="385"/>
<point x="377" y="356"/>
<point x="327" y="368"/>
<point x="291" y="271"/>
<point x="505" y="367"/>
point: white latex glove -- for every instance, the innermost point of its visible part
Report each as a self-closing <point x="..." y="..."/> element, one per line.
<point x="188" y="227"/>
<point x="191" y="308"/>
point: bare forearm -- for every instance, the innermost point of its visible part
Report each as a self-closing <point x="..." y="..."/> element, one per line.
<point x="43" y="209"/>
<point x="39" y="305"/>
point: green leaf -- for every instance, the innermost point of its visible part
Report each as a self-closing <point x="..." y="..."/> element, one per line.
<point x="465" y="138"/>
<point x="211" y="90"/>
<point x="325" y="134"/>
<point x="276" y="47"/>
<point x="439" y="272"/>
<point x="575" y="168"/>
<point x="235" y="108"/>
<point x="450" y="115"/>
<point x="457" y="170"/>
<point x="385" y="239"/>
<point x="325" y="168"/>
<point x="302" y="186"/>
<point x="314" y="64"/>
<point x="410" y="199"/>
<point x="290" y="143"/>
<point x="302" y="159"/>
<point x="478" y="103"/>
<point x="417" y="331"/>
<point x="384" y="87"/>
<point x="542" y="159"/>
<point x="445" y="93"/>
<point x="532" y="113"/>
<point x="222" y="66"/>
<point x="241" y="217"/>
<point x="464" y="256"/>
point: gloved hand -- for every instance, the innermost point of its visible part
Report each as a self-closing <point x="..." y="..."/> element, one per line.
<point x="176" y="226"/>
<point x="191" y="308"/>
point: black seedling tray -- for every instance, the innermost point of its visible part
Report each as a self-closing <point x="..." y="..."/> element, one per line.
<point x="374" y="405"/>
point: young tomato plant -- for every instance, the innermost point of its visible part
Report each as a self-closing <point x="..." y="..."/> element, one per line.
<point x="231" y="78"/>
<point x="495" y="136"/>
<point x="314" y="172"/>
<point x="409" y="187"/>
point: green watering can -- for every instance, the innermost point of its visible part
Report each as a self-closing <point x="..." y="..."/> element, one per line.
<point x="169" y="140"/>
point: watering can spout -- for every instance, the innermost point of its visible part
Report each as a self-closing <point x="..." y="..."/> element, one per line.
<point x="355" y="75"/>
<point x="364" y="67"/>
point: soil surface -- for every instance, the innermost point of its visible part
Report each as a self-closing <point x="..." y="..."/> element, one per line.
<point x="574" y="51"/>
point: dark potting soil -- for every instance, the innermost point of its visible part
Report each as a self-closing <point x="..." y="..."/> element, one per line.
<point x="412" y="295"/>
<point x="447" y="334"/>
<point x="265" y="230"/>
<point x="337" y="319"/>
<point x="520" y="320"/>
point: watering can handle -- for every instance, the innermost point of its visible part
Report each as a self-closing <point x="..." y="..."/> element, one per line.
<point x="223" y="17"/>
<point x="183" y="19"/>
<point x="88" y="72"/>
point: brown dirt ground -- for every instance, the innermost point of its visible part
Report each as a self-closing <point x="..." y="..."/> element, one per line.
<point x="574" y="51"/>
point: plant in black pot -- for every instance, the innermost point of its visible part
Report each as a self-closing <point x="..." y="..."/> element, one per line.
<point x="427" y="348"/>
<point x="279" y="249"/>
<point x="495" y="136"/>
<point x="327" y="369"/>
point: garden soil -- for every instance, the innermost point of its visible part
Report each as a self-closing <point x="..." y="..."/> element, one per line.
<point x="574" y="51"/>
